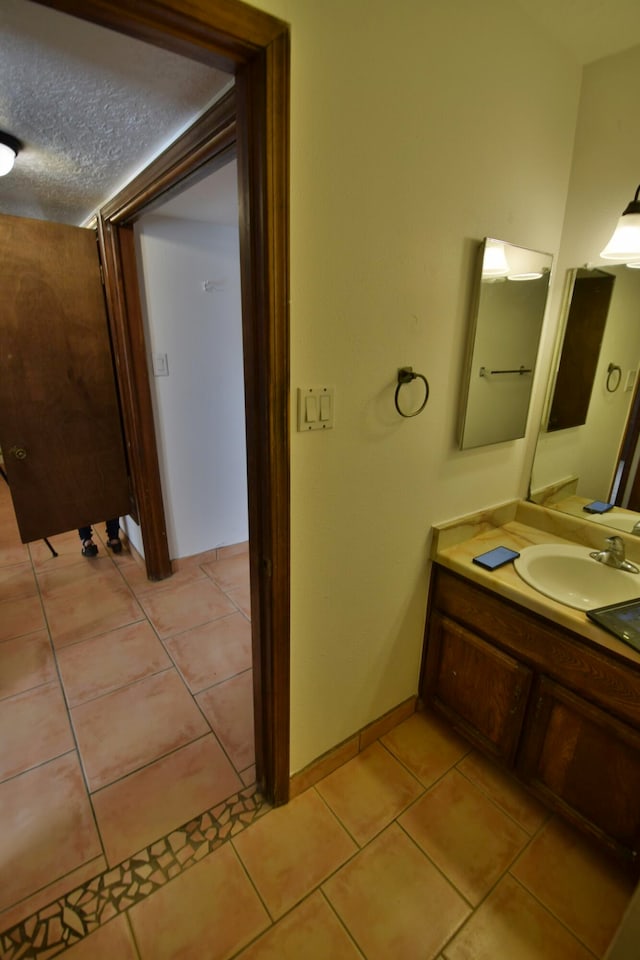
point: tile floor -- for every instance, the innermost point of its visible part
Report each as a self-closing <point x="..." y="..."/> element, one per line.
<point x="416" y="848"/>
<point x="125" y="706"/>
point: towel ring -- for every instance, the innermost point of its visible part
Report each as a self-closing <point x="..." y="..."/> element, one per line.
<point x="406" y="375"/>
<point x="612" y="369"/>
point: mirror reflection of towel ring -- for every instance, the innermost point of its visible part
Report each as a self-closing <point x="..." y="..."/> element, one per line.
<point x="612" y="370"/>
<point x="406" y="375"/>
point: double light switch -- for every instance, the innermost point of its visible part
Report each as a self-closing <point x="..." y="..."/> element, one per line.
<point x="315" y="408"/>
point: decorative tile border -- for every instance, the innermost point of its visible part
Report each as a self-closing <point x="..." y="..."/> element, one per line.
<point x="54" y="928"/>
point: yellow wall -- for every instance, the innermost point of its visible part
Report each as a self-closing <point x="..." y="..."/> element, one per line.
<point x="417" y="129"/>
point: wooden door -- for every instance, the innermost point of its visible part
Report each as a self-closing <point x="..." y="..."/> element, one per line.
<point x="60" y="427"/>
<point x="586" y="764"/>
<point x="480" y="689"/>
<point x="590" y="299"/>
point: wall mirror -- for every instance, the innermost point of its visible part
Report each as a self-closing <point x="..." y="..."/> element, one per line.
<point x="596" y="456"/>
<point x="510" y="295"/>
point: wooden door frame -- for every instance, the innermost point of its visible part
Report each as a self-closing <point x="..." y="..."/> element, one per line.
<point x="254" y="46"/>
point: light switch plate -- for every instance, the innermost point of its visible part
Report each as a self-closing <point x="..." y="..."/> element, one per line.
<point x="160" y="365"/>
<point x="315" y="408"/>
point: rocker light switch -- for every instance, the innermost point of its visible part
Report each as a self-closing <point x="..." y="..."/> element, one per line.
<point x="315" y="408"/>
<point x="160" y="365"/>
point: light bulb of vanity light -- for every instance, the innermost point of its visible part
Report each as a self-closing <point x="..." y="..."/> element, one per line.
<point x="625" y="242"/>
<point x="494" y="261"/>
<point x="9" y="149"/>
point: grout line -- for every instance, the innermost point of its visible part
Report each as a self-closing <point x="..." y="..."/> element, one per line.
<point x="341" y="921"/>
<point x="549" y="911"/>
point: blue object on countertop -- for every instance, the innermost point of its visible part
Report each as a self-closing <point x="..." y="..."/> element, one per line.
<point x="598" y="506"/>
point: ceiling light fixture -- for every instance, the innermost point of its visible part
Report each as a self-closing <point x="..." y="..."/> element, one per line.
<point x="625" y="242"/>
<point x="9" y="150"/>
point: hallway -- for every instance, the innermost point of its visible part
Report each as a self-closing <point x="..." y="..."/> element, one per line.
<point x="125" y="706"/>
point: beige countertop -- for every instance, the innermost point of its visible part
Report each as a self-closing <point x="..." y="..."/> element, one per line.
<point x="520" y="524"/>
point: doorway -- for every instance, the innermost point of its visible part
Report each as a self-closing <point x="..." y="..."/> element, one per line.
<point x="255" y="47"/>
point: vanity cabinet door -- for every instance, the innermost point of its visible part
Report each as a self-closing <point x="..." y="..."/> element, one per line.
<point x="585" y="764"/>
<point x="481" y="690"/>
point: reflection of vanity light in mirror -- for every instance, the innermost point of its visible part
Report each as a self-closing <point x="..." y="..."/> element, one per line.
<point x="504" y="337"/>
<point x="625" y="242"/>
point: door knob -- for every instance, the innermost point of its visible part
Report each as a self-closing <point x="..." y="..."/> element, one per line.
<point x="19" y="453"/>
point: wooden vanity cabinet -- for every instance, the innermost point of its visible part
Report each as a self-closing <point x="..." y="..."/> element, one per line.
<point x="561" y="713"/>
<point x="480" y="689"/>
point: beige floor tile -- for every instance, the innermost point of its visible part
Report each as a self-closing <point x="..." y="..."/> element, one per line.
<point x="124" y="730"/>
<point x="99" y="665"/>
<point x="67" y="546"/>
<point x="210" y="911"/>
<point x="46" y="895"/>
<point x="105" y="603"/>
<point x="233" y="550"/>
<point x="70" y="578"/>
<point x="17" y="581"/>
<point x="34" y="727"/>
<point x="511" y="924"/>
<point x="292" y="849"/>
<point x="241" y="597"/>
<point x="136" y="576"/>
<point x="12" y="551"/>
<point x="579" y="883"/>
<point x="26" y="662"/>
<point x="113" y="941"/>
<point x="152" y="802"/>
<point x="310" y="932"/>
<point x="47" y="827"/>
<point x="370" y="791"/>
<point x="20" y="617"/>
<point x="229" y="709"/>
<point x="394" y="902"/>
<point x="465" y="835"/>
<point x="505" y="791"/>
<point x="230" y="573"/>
<point x="212" y="652"/>
<point x="184" y="606"/>
<point x="426" y="745"/>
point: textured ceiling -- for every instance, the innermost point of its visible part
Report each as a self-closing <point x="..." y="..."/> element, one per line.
<point x="91" y="106"/>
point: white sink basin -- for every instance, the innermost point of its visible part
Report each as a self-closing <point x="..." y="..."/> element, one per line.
<point x="567" y="573"/>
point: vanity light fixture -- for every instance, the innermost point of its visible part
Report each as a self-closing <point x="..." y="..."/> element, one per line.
<point x="625" y="242"/>
<point x="9" y="150"/>
<point x="494" y="262"/>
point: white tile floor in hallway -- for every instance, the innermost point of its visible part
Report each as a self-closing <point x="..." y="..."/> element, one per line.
<point x="416" y="849"/>
<point x="125" y="705"/>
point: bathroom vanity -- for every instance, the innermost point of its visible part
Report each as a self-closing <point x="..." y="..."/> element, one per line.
<point x="532" y="683"/>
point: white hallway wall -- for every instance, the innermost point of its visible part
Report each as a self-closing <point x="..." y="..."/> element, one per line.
<point x="199" y="406"/>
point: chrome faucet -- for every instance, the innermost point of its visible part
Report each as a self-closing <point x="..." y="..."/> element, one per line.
<point x="613" y="555"/>
<point x="636" y="528"/>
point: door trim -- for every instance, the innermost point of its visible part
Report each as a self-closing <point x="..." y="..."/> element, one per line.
<point x="254" y="46"/>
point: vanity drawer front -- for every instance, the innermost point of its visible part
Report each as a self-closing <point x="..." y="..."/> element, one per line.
<point x="481" y="690"/>
<point x="542" y="645"/>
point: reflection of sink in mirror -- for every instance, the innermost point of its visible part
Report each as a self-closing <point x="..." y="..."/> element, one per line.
<point x="567" y="573"/>
<point x="617" y="519"/>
